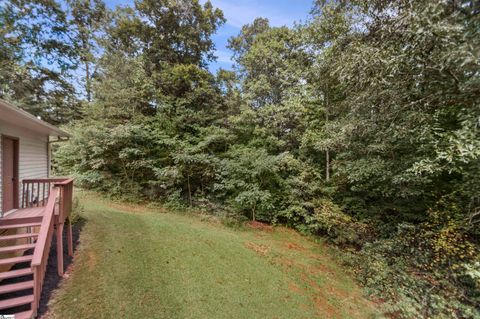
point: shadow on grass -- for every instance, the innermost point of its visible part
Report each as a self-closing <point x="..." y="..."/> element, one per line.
<point x="52" y="280"/>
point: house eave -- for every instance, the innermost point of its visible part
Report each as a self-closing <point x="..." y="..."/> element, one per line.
<point x="16" y="116"/>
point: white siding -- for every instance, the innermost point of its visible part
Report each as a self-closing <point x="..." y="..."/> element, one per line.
<point x="33" y="154"/>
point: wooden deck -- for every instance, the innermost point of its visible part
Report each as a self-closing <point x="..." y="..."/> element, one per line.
<point x="30" y="212"/>
<point x="27" y="233"/>
<point x="26" y="213"/>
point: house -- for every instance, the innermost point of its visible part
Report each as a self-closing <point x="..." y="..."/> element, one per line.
<point x="33" y="208"/>
<point x="24" y="152"/>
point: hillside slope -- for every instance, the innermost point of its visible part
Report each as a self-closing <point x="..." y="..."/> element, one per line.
<point x="135" y="262"/>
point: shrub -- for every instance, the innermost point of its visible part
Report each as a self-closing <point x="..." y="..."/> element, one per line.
<point x="77" y="209"/>
<point x="416" y="278"/>
<point x="329" y="220"/>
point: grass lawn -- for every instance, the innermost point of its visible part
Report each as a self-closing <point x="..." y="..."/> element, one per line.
<point x="136" y="262"/>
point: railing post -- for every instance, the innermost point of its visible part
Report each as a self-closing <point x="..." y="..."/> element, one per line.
<point x="38" y="194"/>
<point x="60" y="249"/>
<point x="36" y="290"/>
<point x="61" y="206"/>
<point x="23" y="195"/>
<point x="69" y="238"/>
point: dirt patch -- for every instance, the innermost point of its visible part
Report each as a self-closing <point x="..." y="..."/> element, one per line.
<point x="317" y="296"/>
<point x="309" y="285"/>
<point x="260" y="226"/>
<point x="286" y="264"/>
<point x="340" y="293"/>
<point x="324" y="309"/>
<point x="293" y="246"/>
<point x="321" y="269"/>
<point x="320" y="300"/>
<point x="294" y="288"/>
<point x="259" y="249"/>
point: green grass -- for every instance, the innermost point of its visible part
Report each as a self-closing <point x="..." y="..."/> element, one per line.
<point x="135" y="262"/>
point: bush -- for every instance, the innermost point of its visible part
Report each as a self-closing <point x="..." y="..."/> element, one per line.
<point x="77" y="209"/>
<point x="234" y="221"/>
<point x="416" y="279"/>
<point x="329" y="220"/>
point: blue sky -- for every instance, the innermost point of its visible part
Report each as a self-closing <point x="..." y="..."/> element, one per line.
<point x="240" y="12"/>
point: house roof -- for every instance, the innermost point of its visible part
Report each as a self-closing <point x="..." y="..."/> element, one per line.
<point x="12" y="114"/>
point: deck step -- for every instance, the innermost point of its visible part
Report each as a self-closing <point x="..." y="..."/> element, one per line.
<point x="14" y="302"/>
<point x="16" y="273"/>
<point x="16" y="287"/>
<point x="2" y="227"/>
<point x="16" y="248"/>
<point x="24" y="315"/>
<point x="16" y="260"/>
<point x="19" y="236"/>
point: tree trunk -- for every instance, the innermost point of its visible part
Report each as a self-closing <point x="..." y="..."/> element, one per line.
<point x="189" y="190"/>
<point x="327" y="152"/>
<point x="86" y="60"/>
<point x="88" y="87"/>
<point x="327" y="165"/>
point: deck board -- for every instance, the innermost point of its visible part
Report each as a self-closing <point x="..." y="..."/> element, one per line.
<point x="29" y="212"/>
<point x="26" y="212"/>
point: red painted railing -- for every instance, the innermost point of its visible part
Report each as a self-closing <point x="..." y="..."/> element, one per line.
<point x="66" y="199"/>
<point x="36" y="191"/>
<point x="42" y="247"/>
<point x="56" y="196"/>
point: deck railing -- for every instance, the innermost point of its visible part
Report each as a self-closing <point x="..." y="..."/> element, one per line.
<point x="53" y="197"/>
<point x="37" y="191"/>
<point x="42" y="247"/>
<point x="66" y="199"/>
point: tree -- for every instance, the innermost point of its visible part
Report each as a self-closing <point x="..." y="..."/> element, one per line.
<point x="36" y="58"/>
<point x="242" y="43"/>
<point x="171" y="32"/>
<point x="271" y="62"/>
<point x="249" y="179"/>
<point x="88" y="18"/>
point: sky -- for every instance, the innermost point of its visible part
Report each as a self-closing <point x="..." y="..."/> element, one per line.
<point x="240" y="12"/>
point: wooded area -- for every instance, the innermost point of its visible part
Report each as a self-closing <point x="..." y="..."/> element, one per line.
<point x="361" y="125"/>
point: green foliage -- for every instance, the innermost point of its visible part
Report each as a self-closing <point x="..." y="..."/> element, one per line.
<point x="249" y="180"/>
<point x="169" y="32"/>
<point x="410" y="111"/>
<point x="114" y="160"/>
<point x="271" y="62"/>
<point x="77" y="211"/>
<point x="329" y="220"/>
<point x="408" y="271"/>
<point x="36" y="59"/>
<point x="87" y="20"/>
<point x="122" y="91"/>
